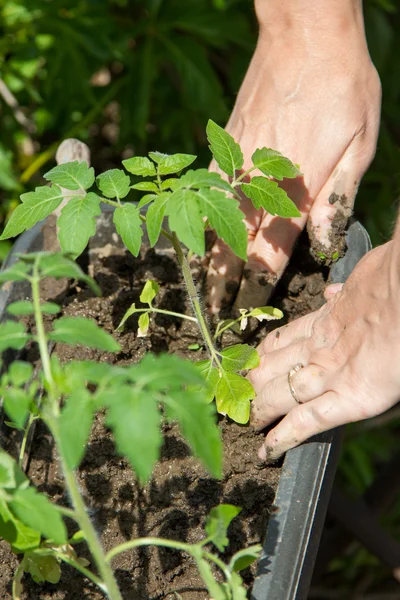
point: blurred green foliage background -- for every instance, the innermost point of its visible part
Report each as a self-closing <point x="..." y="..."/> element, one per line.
<point x="128" y="76"/>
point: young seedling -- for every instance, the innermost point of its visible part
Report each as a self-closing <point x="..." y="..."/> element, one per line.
<point x="189" y="203"/>
<point x="70" y="395"/>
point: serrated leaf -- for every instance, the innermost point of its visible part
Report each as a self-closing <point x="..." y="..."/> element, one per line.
<point x="149" y="292"/>
<point x="144" y="322"/>
<point x="18" y="272"/>
<point x="79" y="330"/>
<point x="12" y="335"/>
<point x="139" y="165"/>
<point x="197" y="423"/>
<point x="72" y="176"/>
<point x="158" y="157"/>
<point x="233" y="397"/>
<point x="173" y="163"/>
<point x="20" y="372"/>
<point x="16" y="405"/>
<point x="218" y="521"/>
<point x="155" y="217"/>
<point x="114" y="183"/>
<point x="37" y="512"/>
<point x="239" y="357"/>
<point x="21" y="537"/>
<point x="226" y="218"/>
<point x="59" y="266"/>
<point x="267" y="194"/>
<point x="35" y="207"/>
<point x="146" y="186"/>
<point x="238" y="590"/>
<point x="274" y="164"/>
<point x="135" y="421"/>
<point x="201" y="178"/>
<point x="168" y="184"/>
<point x="75" y="423"/>
<point x="185" y="218"/>
<point x="77" y="223"/>
<point x="225" y="150"/>
<point x="129" y="226"/>
<point x="211" y="376"/>
<point x="42" y="568"/>
<point x="244" y="558"/>
<point x="266" y="313"/>
<point x="215" y="590"/>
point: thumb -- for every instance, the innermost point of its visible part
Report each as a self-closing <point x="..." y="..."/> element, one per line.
<point x="334" y="203"/>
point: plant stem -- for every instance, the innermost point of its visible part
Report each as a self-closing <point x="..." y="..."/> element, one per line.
<point x="147" y="541"/>
<point x="220" y="330"/>
<point x="110" y="584"/>
<point x="191" y="288"/>
<point x="82" y="569"/>
<point x="242" y="176"/>
<point x="31" y="419"/>
<point x="166" y="312"/>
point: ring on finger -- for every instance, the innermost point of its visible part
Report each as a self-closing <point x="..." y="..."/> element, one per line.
<point x="292" y="372"/>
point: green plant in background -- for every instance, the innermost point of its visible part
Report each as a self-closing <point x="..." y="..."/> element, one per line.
<point x="131" y="396"/>
<point x="190" y="203"/>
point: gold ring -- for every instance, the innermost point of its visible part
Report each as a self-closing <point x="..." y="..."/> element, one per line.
<point x="295" y="369"/>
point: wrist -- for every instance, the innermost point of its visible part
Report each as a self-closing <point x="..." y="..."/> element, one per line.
<point x="307" y="18"/>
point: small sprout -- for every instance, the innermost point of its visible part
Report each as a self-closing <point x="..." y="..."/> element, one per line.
<point x="335" y="256"/>
<point x="194" y="347"/>
<point x="321" y="255"/>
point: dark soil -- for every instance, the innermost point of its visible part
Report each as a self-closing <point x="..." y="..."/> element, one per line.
<point x="176" y="501"/>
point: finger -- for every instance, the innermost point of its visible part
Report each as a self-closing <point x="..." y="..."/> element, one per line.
<point x="276" y="399"/>
<point x="277" y="363"/>
<point x="334" y="203"/>
<point x="271" y="249"/>
<point x="332" y="290"/>
<point x="294" y="332"/>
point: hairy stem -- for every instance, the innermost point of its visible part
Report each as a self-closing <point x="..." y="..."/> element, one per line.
<point x="147" y="541"/>
<point x="31" y="419"/>
<point x="194" y="298"/>
<point x="110" y="584"/>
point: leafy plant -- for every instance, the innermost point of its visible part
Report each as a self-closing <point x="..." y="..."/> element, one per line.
<point x="131" y="396"/>
<point x="190" y="203"/>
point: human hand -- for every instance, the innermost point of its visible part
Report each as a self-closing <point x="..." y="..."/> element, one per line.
<point x="350" y="349"/>
<point x="316" y="99"/>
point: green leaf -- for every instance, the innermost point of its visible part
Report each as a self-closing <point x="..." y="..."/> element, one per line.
<point x="173" y="163"/>
<point x="24" y="307"/>
<point x="146" y="186"/>
<point x="201" y="178"/>
<point x="197" y="423"/>
<point x="267" y="194"/>
<point x="77" y="223"/>
<point x="266" y="313"/>
<point x="185" y="218"/>
<point x="147" y="199"/>
<point x="149" y="292"/>
<point x="42" y="568"/>
<point x="168" y="184"/>
<point x="21" y="537"/>
<point x="35" y="207"/>
<point x="139" y="165"/>
<point x="135" y="420"/>
<point x="79" y="330"/>
<point x="239" y="357"/>
<point x="12" y="335"/>
<point x="18" y="272"/>
<point x="238" y="590"/>
<point x="155" y="217"/>
<point x="144" y="322"/>
<point x="158" y="157"/>
<point x="11" y="475"/>
<point x="20" y="372"/>
<point x="58" y="266"/>
<point x="233" y="397"/>
<point x="211" y="376"/>
<point x="37" y="512"/>
<point x="75" y="423"/>
<point x="274" y="164"/>
<point x="131" y="311"/>
<point x="72" y="176"/>
<point x="114" y="183"/>
<point x="225" y="217"/>
<point x="129" y="226"/>
<point x="217" y="524"/>
<point x="215" y="590"/>
<point x="225" y="150"/>
<point x="16" y="405"/>
<point x="244" y="558"/>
